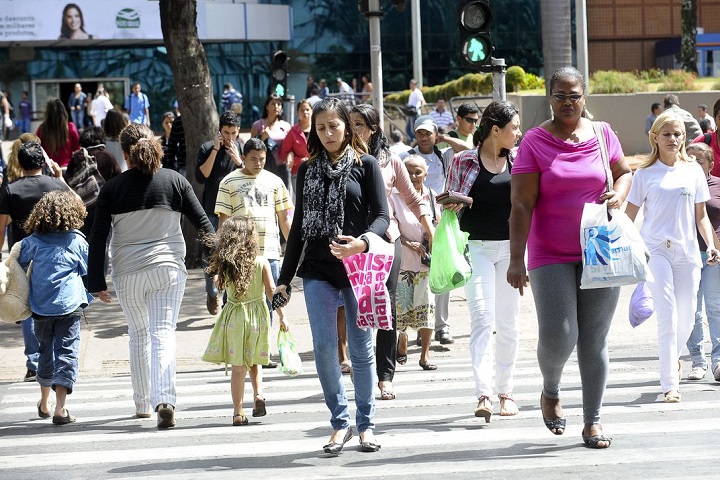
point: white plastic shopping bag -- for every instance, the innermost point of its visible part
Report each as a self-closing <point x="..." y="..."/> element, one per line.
<point x="613" y="253"/>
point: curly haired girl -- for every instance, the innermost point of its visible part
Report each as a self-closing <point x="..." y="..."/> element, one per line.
<point x="241" y="335"/>
<point x="59" y="253"/>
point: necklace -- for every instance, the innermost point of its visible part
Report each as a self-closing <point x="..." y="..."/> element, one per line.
<point x="497" y="165"/>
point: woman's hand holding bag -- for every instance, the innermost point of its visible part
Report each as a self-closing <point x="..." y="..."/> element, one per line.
<point x="450" y="267"/>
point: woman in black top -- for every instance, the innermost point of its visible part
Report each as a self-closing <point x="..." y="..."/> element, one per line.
<point x="484" y="175"/>
<point x="340" y="197"/>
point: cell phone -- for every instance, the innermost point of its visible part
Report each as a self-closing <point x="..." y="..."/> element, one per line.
<point x="47" y="160"/>
<point x="278" y="300"/>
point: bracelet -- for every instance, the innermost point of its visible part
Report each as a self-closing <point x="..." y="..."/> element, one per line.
<point x="216" y="149"/>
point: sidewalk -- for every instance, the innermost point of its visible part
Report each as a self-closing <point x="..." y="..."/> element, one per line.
<point x="104" y="340"/>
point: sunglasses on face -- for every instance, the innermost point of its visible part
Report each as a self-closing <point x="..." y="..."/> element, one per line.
<point x="574" y="98"/>
<point x="471" y="120"/>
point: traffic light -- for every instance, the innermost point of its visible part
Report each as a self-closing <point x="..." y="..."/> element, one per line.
<point x="475" y="20"/>
<point x="278" y="73"/>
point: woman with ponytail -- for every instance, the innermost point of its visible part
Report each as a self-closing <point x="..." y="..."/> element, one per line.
<point x="484" y="175"/>
<point x="144" y="205"/>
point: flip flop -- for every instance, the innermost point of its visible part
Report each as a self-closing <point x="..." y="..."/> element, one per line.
<point x="345" y="368"/>
<point x="427" y="366"/>
<point x="42" y="414"/>
<point x="60" y="420"/>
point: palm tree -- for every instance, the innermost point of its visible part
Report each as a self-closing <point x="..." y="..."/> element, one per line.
<point x="556" y="28"/>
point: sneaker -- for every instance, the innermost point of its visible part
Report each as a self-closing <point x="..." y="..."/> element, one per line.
<point x="697" y="373"/>
<point x="716" y="372"/>
<point x="30" y="376"/>
<point x="213" y="304"/>
<point x="165" y="415"/>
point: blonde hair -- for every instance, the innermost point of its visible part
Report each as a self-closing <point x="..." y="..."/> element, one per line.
<point x="235" y="247"/>
<point x="14" y="170"/>
<point x="662" y="120"/>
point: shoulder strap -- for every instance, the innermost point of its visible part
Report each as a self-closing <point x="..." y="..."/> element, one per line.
<point x="432" y="205"/>
<point x="707" y="138"/>
<point x="597" y="126"/>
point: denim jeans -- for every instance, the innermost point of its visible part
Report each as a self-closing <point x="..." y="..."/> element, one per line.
<point x="210" y="287"/>
<point x="78" y="118"/>
<point x="31" y="344"/>
<point x="59" y="339"/>
<point x="321" y="300"/>
<point x="709" y="293"/>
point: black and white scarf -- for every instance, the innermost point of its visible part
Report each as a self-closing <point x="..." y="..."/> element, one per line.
<point x="324" y="215"/>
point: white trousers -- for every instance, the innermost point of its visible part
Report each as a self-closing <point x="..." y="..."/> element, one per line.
<point x="150" y="300"/>
<point x="674" y="287"/>
<point x="493" y="304"/>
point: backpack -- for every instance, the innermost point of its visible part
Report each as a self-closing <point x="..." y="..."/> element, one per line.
<point x="87" y="181"/>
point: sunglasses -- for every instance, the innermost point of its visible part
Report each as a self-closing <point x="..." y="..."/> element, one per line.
<point x="471" y="120"/>
<point x="575" y="98"/>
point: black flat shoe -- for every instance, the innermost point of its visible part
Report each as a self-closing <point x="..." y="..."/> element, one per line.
<point x="555" y="425"/>
<point x="59" y="420"/>
<point x="42" y="414"/>
<point x="369" y="447"/>
<point x="335" y="448"/>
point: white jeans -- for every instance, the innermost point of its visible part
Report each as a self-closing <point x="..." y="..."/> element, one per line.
<point x="676" y="279"/>
<point x="150" y="300"/>
<point x="493" y="303"/>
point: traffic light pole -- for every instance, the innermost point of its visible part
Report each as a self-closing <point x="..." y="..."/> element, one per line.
<point x="374" y="15"/>
<point x="498" y="73"/>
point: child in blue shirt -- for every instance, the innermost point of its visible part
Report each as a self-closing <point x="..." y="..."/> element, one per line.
<point x="58" y="252"/>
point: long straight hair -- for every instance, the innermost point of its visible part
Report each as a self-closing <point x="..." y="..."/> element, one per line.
<point x="315" y="146"/>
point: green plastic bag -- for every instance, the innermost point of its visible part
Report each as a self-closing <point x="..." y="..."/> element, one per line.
<point x="450" y="267"/>
<point x="290" y="361"/>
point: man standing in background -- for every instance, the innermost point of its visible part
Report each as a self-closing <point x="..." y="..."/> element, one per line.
<point x="137" y="105"/>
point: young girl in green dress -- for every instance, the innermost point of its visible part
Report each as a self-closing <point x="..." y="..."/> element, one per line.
<point x="241" y="335"/>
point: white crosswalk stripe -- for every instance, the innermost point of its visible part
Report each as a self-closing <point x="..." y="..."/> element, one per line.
<point x="429" y="430"/>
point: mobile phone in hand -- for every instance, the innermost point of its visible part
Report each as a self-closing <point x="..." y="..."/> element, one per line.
<point x="279" y="301"/>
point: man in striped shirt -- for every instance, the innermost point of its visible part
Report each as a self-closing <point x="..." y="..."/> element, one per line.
<point x="442" y="117"/>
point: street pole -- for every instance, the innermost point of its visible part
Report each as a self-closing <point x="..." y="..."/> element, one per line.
<point x="374" y="15"/>
<point x="581" y="38"/>
<point x="498" y="73"/>
<point x="416" y="42"/>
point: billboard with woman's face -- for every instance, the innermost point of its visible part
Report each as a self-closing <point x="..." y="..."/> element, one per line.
<point x="58" y="22"/>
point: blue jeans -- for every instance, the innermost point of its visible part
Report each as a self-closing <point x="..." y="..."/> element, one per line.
<point x="321" y="300"/>
<point x="24" y="125"/>
<point x="78" y="118"/>
<point x="210" y="287"/>
<point x="709" y="292"/>
<point x="31" y="344"/>
<point x="59" y="339"/>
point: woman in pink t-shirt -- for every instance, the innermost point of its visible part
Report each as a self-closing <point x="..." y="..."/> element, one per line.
<point x="558" y="169"/>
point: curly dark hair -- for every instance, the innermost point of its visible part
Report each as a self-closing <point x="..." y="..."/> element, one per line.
<point x="235" y="246"/>
<point x="57" y="211"/>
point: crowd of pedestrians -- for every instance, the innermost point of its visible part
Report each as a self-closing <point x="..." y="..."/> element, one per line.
<point x="295" y="200"/>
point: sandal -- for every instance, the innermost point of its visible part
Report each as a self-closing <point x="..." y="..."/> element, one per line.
<point x="427" y="365"/>
<point x="592" y="441"/>
<point x="239" y="419"/>
<point x="484" y="408"/>
<point x="345" y="368"/>
<point x="259" y="407"/>
<point x="673" y="396"/>
<point x="401" y="358"/>
<point x="508" y="407"/>
<point x="555" y="425"/>
<point x="385" y="394"/>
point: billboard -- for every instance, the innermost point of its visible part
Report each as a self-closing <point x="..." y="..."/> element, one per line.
<point x="58" y="22"/>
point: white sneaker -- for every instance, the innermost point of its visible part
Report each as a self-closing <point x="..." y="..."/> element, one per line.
<point x="697" y="373"/>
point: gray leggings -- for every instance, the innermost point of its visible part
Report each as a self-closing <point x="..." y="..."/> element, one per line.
<point x="568" y="316"/>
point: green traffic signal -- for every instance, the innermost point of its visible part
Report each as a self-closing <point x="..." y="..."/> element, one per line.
<point x="280" y="90"/>
<point x="477" y="49"/>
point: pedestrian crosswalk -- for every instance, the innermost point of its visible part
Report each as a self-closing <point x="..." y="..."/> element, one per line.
<point x="428" y="431"/>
